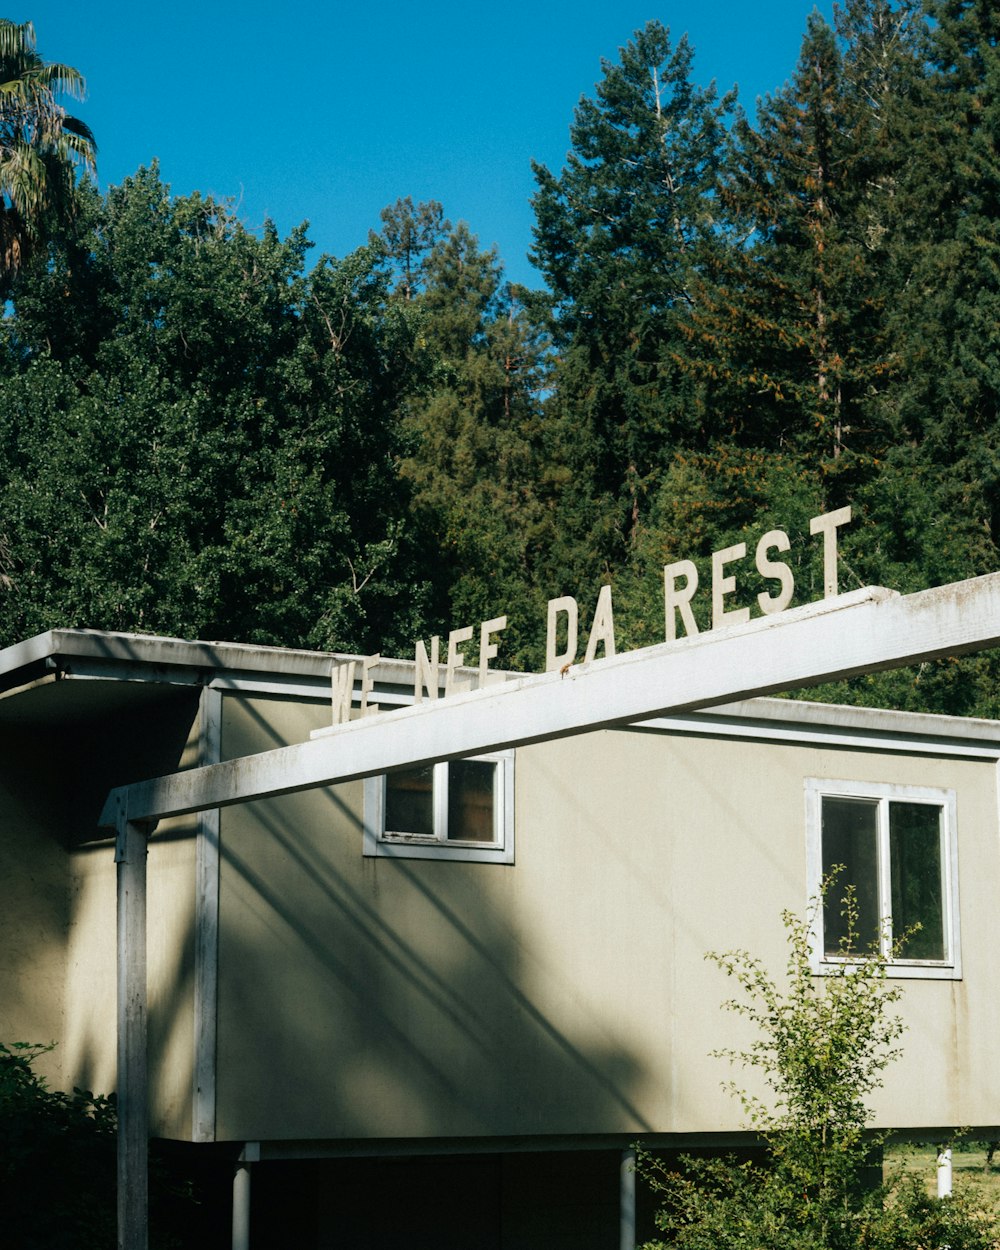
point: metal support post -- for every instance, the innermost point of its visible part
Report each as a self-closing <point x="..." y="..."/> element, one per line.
<point x="626" y="1182"/>
<point x="944" y="1172"/>
<point x="241" y="1195"/>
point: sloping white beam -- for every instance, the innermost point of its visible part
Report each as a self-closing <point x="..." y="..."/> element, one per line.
<point x="864" y="631"/>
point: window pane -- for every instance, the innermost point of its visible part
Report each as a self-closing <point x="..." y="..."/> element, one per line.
<point x="917" y="879"/>
<point x="850" y="842"/>
<point x="470" y="801"/>
<point x="409" y="801"/>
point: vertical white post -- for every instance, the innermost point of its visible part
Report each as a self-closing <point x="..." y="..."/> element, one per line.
<point x="133" y="1095"/>
<point x="944" y="1172"/>
<point x="626" y="1182"/>
<point x="241" y="1195"/>
<point x="206" y="946"/>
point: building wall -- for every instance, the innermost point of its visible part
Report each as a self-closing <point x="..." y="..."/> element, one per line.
<point x="90" y="1031"/>
<point x="568" y="993"/>
<point x="88" y="1039"/>
<point x="34" y="906"/>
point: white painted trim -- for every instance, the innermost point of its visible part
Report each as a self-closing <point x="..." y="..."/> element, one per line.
<point x="949" y="969"/>
<point x="798" y="734"/>
<point x="206" y="955"/>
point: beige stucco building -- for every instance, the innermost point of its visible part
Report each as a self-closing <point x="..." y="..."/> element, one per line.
<point x="452" y="1000"/>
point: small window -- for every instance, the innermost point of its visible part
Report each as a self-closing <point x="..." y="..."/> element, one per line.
<point x="896" y="847"/>
<point x="463" y="810"/>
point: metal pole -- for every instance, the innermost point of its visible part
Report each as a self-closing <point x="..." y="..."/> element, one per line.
<point x="944" y="1172"/>
<point x="241" y="1194"/>
<point x="241" y="1206"/>
<point x="626" y="1182"/>
<point x="133" y="1095"/>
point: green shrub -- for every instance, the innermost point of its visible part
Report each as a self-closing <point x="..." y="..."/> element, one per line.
<point x="823" y="1044"/>
<point x="57" y="1160"/>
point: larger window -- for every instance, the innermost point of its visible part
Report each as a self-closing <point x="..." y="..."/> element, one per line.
<point x="896" y="847"/>
<point x="463" y="809"/>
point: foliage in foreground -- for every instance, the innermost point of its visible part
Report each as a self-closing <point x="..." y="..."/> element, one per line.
<point x="823" y="1044"/>
<point x="58" y="1170"/>
<point x="57" y="1159"/>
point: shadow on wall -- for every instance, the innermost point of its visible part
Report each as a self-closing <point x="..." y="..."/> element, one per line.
<point x="64" y="747"/>
<point x="368" y="998"/>
<point x="385" y="998"/>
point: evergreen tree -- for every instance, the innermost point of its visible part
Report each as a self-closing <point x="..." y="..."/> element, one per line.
<point x="791" y="330"/>
<point x="474" y="433"/>
<point x="408" y="234"/>
<point x="619" y="235"/>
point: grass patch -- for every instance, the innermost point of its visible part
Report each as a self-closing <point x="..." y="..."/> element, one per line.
<point x="972" y="1176"/>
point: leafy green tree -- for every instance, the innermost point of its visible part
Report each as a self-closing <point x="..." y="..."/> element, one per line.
<point x="41" y="146"/>
<point x="58" y="1169"/>
<point x="211" y="449"/>
<point x="823" y="1044"/>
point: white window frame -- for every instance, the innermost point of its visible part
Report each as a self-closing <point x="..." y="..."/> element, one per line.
<point x="380" y="842"/>
<point x="950" y="968"/>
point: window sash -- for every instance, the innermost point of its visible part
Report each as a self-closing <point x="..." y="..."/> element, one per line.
<point x="867" y="820"/>
<point x="451" y="812"/>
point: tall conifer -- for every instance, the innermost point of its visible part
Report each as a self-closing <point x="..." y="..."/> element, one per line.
<point x="619" y="234"/>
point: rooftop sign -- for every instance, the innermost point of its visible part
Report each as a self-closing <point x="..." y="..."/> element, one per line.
<point x="680" y="585"/>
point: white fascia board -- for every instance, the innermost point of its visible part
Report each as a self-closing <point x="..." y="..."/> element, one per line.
<point x="91" y="652"/>
<point x="864" y="631"/>
<point x="883" y="721"/>
<point x="31" y="651"/>
<point x="798" y="732"/>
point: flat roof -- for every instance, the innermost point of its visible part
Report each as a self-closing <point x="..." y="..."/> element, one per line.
<point x="147" y="658"/>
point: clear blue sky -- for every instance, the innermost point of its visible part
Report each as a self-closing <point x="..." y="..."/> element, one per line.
<point x="327" y="112"/>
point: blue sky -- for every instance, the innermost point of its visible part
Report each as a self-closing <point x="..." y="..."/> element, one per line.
<point x="328" y="112"/>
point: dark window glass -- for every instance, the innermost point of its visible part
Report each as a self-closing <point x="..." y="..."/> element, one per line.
<point x="470" y="801"/>
<point x="850" y="842"/>
<point x="409" y="801"/>
<point x="917" y="895"/>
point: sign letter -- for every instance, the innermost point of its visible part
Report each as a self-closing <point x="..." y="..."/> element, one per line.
<point x="456" y="658"/>
<point x="368" y="683"/>
<point x="425" y="671"/>
<point x="722" y="586"/>
<point x="603" y="628"/>
<point x="827" y="525"/>
<point x="487" y="649"/>
<point x="675" y="600"/>
<point x="770" y="604"/>
<point x="342" y="689"/>
<point x="565" y="604"/>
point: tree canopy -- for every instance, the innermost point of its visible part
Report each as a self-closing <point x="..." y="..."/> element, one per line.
<point x="744" y="321"/>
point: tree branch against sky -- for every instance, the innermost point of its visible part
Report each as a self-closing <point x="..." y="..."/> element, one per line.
<point x="474" y="96"/>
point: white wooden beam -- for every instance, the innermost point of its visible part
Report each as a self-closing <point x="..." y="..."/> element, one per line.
<point x="863" y="631"/>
